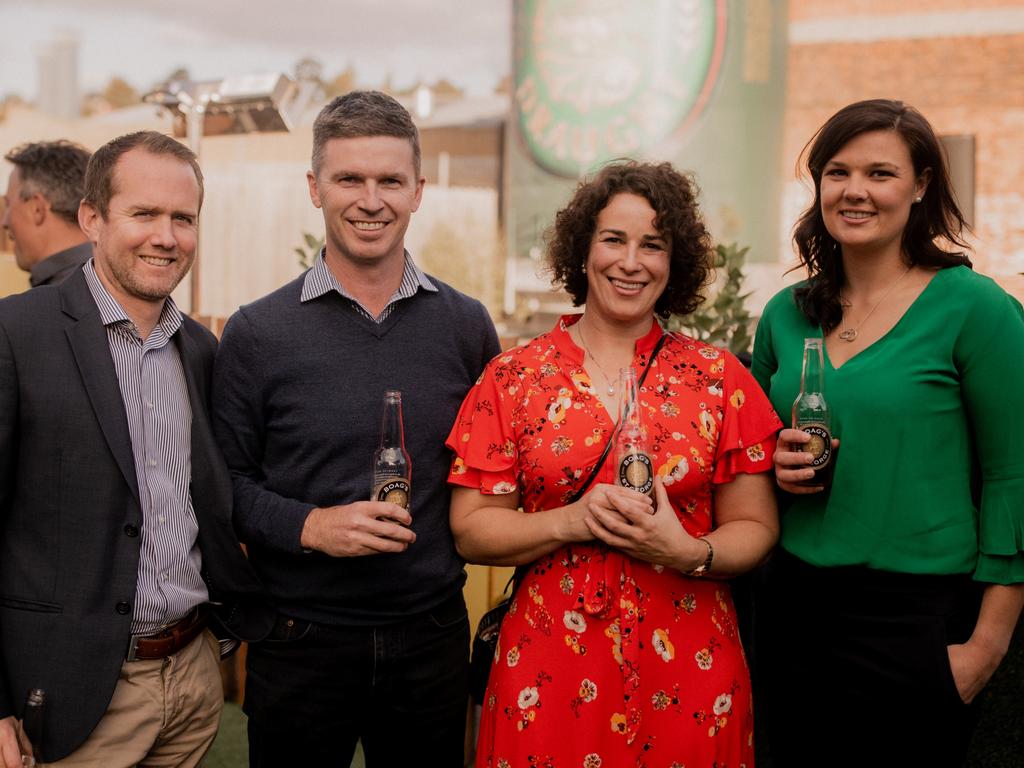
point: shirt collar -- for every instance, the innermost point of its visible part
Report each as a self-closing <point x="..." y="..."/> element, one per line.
<point x="320" y="280"/>
<point x="111" y="311"/>
<point x="42" y="271"/>
<point x="644" y="344"/>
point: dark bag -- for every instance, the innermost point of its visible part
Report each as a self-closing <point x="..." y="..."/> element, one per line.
<point x="485" y="640"/>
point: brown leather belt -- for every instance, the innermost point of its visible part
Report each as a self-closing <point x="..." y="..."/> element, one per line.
<point x="170" y="640"/>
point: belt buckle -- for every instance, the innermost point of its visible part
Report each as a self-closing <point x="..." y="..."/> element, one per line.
<point x="133" y="648"/>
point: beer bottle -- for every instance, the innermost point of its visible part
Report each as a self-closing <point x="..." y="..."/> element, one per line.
<point x="632" y="461"/>
<point x="32" y="725"/>
<point x="392" y="469"/>
<point x="810" y="414"/>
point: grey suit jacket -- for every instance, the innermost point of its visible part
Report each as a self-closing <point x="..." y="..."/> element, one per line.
<point x="70" y="512"/>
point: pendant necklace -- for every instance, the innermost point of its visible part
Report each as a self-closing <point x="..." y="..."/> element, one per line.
<point x="607" y="378"/>
<point x="850" y="334"/>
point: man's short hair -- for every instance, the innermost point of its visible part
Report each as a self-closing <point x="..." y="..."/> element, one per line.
<point x="99" y="176"/>
<point x="55" y="170"/>
<point x="364" y="113"/>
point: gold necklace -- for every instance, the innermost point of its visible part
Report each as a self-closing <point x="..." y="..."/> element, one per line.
<point x="850" y="334"/>
<point x="607" y="378"/>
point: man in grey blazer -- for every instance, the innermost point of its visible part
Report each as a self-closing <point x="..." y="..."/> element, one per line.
<point x="115" y="525"/>
<point x="41" y="211"/>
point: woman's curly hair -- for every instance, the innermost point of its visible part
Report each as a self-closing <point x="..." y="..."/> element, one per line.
<point x="673" y="197"/>
<point x="934" y="222"/>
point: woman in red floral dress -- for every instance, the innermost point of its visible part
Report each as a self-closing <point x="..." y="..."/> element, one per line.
<point x="620" y="648"/>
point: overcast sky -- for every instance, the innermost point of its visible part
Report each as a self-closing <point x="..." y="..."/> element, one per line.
<point x="466" y="41"/>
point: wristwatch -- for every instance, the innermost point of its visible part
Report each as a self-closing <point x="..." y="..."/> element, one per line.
<point x="705" y="567"/>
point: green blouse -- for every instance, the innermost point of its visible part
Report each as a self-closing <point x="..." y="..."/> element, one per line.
<point x="929" y="475"/>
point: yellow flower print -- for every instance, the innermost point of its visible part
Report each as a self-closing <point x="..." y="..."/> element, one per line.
<point x="755" y="452"/>
<point x="594" y="437"/>
<point x="698" y="459"/>
<point x="709" y="353"/>
<point x="566" y="583"/>
<point x="512" y="657"/>
<point x="593" y="760"/>
<point x="528" y="697"/>
<point x="674" y="469"/>
<point x="737" y="399"/>
<point x="561" y="445"/>
<point x="716" y="368"/>
<point x="557" y="409"/>
<point x="703" y="658"/>
<point x="618" y="723"/>
<point x="508" y="449"/>
<point x="588" y="690"/>
<point x="662" y="645"/>
<point x="574" y="620"/>
<point x="612" y="631"/>
<point x="573" y="641"/>
<point x="708" y="427"/>
<point x="582" y="382"/>
<point x="549" y="369"/>
<point x="503" y="763"/>
<point x="459" y="466"/>
<point x="660" y="700"/>
<point x="687" y="603"/>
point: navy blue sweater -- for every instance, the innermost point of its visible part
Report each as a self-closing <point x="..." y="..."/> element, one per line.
<point x="297" y="398"/>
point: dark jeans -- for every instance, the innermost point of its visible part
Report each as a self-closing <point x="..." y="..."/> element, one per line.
<point x="313" y="691"/>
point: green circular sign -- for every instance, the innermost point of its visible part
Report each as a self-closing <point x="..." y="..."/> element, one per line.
<point x="600" y="79"/>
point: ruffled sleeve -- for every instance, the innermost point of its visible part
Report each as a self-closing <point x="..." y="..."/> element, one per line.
<point x="749" y="425"/>
<point x="483" y="439"/>
<point x="990" y="357"/>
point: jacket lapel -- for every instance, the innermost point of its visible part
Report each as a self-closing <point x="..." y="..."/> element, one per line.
<point x="88" y="339"/>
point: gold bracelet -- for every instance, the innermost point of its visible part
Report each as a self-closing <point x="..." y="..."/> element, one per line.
<point x="705" y="567"/>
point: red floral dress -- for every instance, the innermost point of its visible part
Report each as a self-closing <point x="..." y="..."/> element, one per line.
<point x="604" y="660"/>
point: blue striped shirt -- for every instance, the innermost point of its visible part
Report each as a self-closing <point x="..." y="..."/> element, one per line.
<point x="159" y="415"/>
<point x="320" y="280"/>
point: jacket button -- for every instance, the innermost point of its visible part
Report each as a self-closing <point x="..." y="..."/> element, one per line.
<point x="123" y="608"/>
<point x="131" y="531"/>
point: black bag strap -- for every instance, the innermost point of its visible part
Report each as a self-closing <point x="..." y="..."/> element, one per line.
<point x="520" y="572"/>
<point x="608" y="445"/>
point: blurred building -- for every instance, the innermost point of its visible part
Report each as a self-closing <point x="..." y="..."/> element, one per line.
<point x="57" y="93"/>
<point x="961" y="64"/>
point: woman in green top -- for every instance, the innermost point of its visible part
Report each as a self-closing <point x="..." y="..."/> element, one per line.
<point x="897" y="589"/>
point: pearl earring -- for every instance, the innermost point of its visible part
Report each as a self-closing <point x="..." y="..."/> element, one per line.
<point x="918" y="199"/>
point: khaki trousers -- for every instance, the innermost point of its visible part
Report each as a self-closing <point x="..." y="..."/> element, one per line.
<point x="164" y="713"/>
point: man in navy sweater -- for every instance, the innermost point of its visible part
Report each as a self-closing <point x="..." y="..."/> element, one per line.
<point x="372" y="637"/>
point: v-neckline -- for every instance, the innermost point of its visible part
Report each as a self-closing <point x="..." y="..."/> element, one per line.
<point x="884" y="336"/>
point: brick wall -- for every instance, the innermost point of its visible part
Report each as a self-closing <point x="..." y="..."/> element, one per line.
<point x="971" y="84"/>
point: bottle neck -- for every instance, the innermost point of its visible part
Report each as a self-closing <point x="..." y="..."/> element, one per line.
<point x="629" y="412"/>
<point x="812" y="378"/>
<point x="392" y="434"/>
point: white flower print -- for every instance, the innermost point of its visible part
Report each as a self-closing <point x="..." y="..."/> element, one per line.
<point x="574" y="621"/>
<point x="662" y="645"/>
<point x="528" y="697"/>
<point x="723" y="703"/>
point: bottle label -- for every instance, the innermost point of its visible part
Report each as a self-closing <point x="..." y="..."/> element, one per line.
<point x="635" y="472"/>
<point x="394" y="492"/>
<point x="819" y="446"/>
